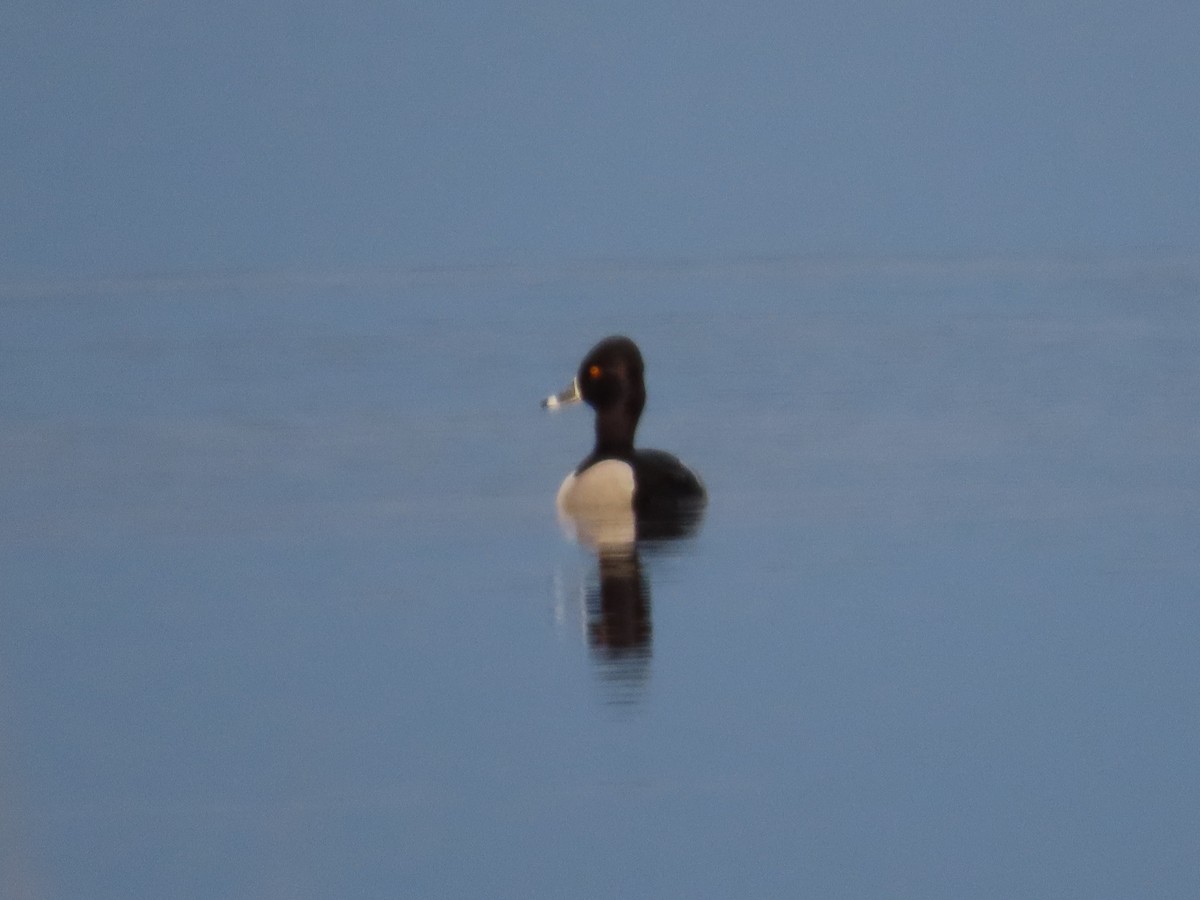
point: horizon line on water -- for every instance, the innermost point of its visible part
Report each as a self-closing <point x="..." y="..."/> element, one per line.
<point x="814" y="265"/>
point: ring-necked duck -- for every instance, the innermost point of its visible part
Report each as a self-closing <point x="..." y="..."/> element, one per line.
<point x="664" y="494"/>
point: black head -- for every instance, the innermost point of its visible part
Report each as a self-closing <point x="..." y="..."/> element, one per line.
<point x="611" y="381"/>
<point x="611" y="375"/>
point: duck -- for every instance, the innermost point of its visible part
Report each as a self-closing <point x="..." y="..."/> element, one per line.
<point x="616" y="479"/>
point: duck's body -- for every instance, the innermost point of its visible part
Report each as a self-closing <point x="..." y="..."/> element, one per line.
<point x="652" y="487"/>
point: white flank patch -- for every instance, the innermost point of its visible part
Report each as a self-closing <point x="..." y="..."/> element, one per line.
<point x="597" y="505"/>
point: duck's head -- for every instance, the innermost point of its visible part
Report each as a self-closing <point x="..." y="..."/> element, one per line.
<point x="611" y="380"/>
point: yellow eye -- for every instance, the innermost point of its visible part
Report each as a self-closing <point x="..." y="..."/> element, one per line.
<point x="594" y="372"/>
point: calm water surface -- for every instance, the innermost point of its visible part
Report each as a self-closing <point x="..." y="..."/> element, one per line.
<point x="286" y="611"/>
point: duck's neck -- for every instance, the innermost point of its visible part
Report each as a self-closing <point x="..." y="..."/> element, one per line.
<point x="614" y="431"/>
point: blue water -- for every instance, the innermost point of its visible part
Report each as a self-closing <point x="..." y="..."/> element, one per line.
<point x="286" y="611"/>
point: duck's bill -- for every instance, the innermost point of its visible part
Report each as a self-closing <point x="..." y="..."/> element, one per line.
<point x="566" y="398"/>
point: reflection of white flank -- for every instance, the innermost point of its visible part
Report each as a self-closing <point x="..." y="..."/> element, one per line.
<point x="596" y="506"/>
<point x="570" y="601"/>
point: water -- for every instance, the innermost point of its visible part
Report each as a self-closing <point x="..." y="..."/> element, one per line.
<point x="286" y="612"/>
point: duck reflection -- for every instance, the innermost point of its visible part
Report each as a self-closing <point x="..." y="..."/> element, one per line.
<point x="619" y="624"/>
<point x="619" y="619"/>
